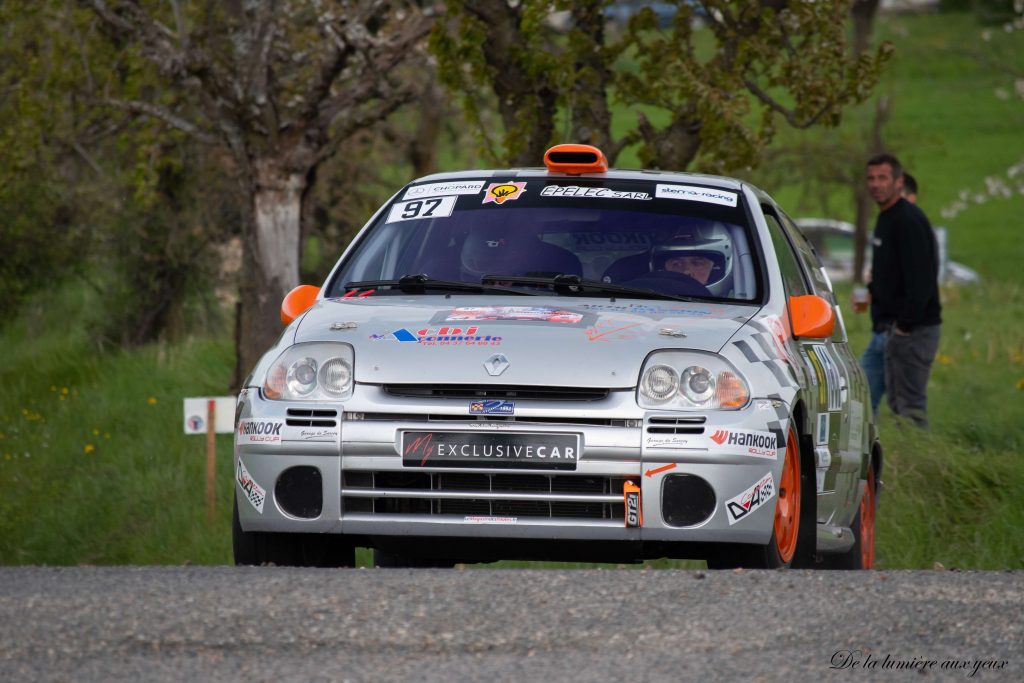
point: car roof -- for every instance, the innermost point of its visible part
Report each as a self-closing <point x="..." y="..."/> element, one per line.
<point x="722" y="182"/>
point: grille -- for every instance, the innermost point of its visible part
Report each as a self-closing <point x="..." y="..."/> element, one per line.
<point x="475" y="391"/>
<point x="300" y="417"/>
<point x="431" y="417"/>
<point x="676" y="425"/>
<point x="458" y="493"/>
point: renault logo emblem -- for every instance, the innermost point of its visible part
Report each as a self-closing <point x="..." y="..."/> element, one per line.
<point x="496" y="364"/>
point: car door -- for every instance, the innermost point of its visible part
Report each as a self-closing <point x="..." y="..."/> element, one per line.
<point x="848" y="412"/>
<point x="825" y="372"/>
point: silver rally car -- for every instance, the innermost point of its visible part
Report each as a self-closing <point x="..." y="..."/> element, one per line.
<point x="562" y="363"/>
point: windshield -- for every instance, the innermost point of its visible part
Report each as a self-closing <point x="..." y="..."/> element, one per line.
<point x="665" y="238"/>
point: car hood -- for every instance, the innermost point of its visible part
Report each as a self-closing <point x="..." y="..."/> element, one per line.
<point x="559" y="341"/>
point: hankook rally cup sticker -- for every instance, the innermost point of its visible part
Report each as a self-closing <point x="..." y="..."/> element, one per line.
<point x="258" y="432"/>
<point x="756" y="443"/>
<point x="254" y="493"/>
<point x="757" y="495"/>
<point x="695" y="194"/>
<point x="499" y="193"/>
<point x="442" y="189"/>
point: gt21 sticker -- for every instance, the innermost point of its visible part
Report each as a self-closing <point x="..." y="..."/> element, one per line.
<point x="442" y="189"/>
<point x="757" y="495"/>
<point x="436" y="207"/>
<point x="696" y="194"/>
<point x="254" y="493"/>
<point x="758" y="444"/>
<point x="258" y="431"/>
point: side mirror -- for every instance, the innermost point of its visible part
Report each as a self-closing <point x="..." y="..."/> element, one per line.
<point x="811" y="316"/>
<point x="297" y="302"/>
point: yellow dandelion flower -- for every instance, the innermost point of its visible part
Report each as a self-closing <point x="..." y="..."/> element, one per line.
<point x="24" y="411"/>
<point x="64" y="390"/>
<point x="89" y="448"/>
<point x="7" y="456"/>
<point x="1020" y="384"/>
<point x="944" y="359"/>
<point x="62" y="397"/>
<point x="95" y="432"/>
<point x="151" y="400"/>
<point x="106" y="435"/>
<point x="53" y="387"/>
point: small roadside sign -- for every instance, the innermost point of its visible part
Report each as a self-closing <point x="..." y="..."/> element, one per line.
<point x="196" y="410"/>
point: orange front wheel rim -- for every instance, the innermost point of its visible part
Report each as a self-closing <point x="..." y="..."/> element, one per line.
<point x="867" y="522"/>
<point x="787" y="512"/>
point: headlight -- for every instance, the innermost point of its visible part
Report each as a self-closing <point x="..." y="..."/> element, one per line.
<point x="318" y="371"/>
<point x="690" y="380"/>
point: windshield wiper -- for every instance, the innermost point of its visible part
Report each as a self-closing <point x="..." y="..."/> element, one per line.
<point x="577" y="286"/>
<point x="417" y="284"/>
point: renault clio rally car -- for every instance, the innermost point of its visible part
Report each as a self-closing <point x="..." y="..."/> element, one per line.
<point x="562" y="363"/>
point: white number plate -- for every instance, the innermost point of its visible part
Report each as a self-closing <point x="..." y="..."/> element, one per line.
<point x="432" y="207"/>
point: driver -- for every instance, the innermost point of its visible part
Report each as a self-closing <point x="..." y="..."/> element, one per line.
<point x="703" y="253"/>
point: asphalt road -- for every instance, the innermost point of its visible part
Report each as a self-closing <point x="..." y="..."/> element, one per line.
<point x="278" y="624"/>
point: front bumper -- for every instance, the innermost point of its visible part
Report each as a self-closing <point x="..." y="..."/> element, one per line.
<point x="368" y="491"/>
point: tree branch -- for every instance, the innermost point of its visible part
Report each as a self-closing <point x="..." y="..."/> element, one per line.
<point x="166" y="115"/>
<point x="787" y="114"/>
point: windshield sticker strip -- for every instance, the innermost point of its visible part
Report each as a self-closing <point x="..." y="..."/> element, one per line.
<point x="695" y="194"/>
<point x="442" y="189"/>
<point x="599" y="192"/>
<point x="435" y="207"/>
<point x="499" y="193"/>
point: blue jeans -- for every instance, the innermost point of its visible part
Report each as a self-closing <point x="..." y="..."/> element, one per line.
<point x="873" y="362"/>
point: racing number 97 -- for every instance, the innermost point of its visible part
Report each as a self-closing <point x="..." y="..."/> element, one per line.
<point x="415" y="209"/>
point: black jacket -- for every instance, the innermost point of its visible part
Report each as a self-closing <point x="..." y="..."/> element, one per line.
<point x="904" y="270"/>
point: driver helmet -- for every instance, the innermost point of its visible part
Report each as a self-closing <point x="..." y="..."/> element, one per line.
<point x="703" y="251"/>
<point x="488" y="251"/>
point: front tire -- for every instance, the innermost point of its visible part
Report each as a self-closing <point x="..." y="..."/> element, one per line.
<point x="793" y="532"/>
<point x="260" y="548"/>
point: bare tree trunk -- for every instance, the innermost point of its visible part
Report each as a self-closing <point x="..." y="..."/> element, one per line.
<point x="863" y="199"/>
<point x="672" y="148"/>
<point x="863" y="13"/>
<point x="270" y="259"/>
<point x="591" y="119"/>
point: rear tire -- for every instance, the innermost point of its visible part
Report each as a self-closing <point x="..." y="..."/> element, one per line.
<point x="289" y="550"/>
<point x="862" y="554"/>
<point x="794" y="530"/>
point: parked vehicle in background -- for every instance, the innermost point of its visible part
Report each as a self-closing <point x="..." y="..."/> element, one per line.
<point x="562" y="363"/>
<point x="833" y="240"/>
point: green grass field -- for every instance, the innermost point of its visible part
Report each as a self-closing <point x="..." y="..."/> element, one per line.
<point x="95" y="469"/>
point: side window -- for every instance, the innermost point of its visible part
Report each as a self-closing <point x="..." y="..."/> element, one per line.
<point x="819" y="278"/>
<point x="791" y="276"/>
<point x="812" y="264"/>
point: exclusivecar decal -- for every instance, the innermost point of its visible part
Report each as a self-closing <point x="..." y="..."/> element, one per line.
<point x="741" y="506"/>
<point x="492" y="407"/>
<point x="251" y="431"/>
<point x="597" y="192"/>
<point x="695" y="194"/>
<point x="499" y="193"/>
<point x="756" y="443"/>
<point x="501" y="313"/>
<point x="444" y="336"/>
<point x="441" y="189"/>
<point x="431" y="207"/>
<point x="254" y="493"/>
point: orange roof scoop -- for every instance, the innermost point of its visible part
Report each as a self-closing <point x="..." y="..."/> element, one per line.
<point x="575" y="159"/>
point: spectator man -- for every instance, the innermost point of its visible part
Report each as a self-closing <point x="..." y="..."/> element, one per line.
<point x="904" y="289"/>
<point x="873" y="359"/>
